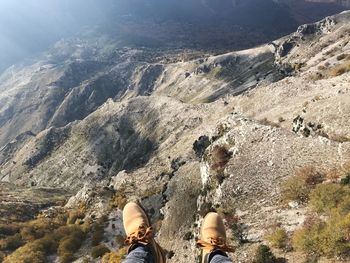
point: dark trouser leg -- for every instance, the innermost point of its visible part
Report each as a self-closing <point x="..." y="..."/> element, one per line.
<point x="219" y="257"/>
<point x="140" y="254"/>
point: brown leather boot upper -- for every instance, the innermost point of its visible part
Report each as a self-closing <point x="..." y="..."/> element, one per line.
<point x="139" y="230"/>
<point x="212" y="236"/>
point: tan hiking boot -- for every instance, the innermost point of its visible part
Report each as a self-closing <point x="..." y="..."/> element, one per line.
<point x="213" y="237"/>
<point x="139" y="231"/>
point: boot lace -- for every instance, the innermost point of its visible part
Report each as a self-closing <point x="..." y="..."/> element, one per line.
<point x="142" y="235"/>
<point x="215" y="243"/>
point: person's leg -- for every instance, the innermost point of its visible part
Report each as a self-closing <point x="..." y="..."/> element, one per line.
<point x="219" y="258"/>
<point x="213" y="240"/>
<point x="139" y="254"/>
<point x="142" y="246"/>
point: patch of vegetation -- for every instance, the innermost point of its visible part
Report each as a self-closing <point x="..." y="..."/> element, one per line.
<point x="326" y="197"/>
<point x="11" y="243"/>
<point x="115" y="257"/>
<point x="9" y="229"/>
<point x="39" y="238"/>
<point x="238" y="229"/>
<point x="97" y="230"/>
<point x="119" y="200"/>
<point x="345" y="180"/>
<point x="340" y="69"/>
<point x="331" y="237"/>
<point x="35" y="252"/>
<point x="74" y="215"/>
<point x="267" y="122"/>
<point x="278" y="238"/>
<point x="341" y="57"/>
<point x="336" y="70"/>
<point x="298" y="187"/>
<point x="70" y="244"/>
<point x="264" y="255"/>
<point x="339" y="138"/>
<point x="220" y="155"/>
<point x="99" y="251"/>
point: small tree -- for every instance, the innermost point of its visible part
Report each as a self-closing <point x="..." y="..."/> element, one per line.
<point x="264" y="255"/>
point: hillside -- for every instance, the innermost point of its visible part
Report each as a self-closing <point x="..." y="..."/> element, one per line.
<point x="222" y="132"/>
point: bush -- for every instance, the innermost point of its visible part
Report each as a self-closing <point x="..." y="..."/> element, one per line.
<point x="67" y="247"/>
<point x="34" y="252"/>
<point x="267" y="122"/>
<point x="11" y="243"/>
<point x="97" y="234"/>
<point x="26" y="254"/>
<point x="74" y="216"/>
<point x="307" y="238"/>
<point x="341" y="57"/>
<point x="9" y="229"/>
<point x="67" y="257"/>
<point x="339" y="138"/>
<point x="327" y="196"/>
<point x="345" y="180"/>
<point x="340" y="69"/>
<point x="115" y="257"/>
<point x="278" y="238"/>
<point x="324" y="238"/>
<point x="298" y="187"/>
<point x="120" y="199"/>
<point x="219" y="158"/>
<point x="264" y="255"/>
<point x="99" y="251"/>
<point x="70" y="240"/>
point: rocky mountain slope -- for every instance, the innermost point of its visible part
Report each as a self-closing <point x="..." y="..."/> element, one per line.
<point x="221" y="132"/>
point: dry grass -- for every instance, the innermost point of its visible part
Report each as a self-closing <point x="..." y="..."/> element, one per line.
<point x="341" y="138"/>
<point x="325" y="71"/>
<point x="115" y="257"/>
<point x="220" y="156"/>
<point x="339" y="69"/>
<point x="267" y="122"/>
<point x="298" y="187"/>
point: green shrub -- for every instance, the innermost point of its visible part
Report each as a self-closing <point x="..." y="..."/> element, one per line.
<point x="119" y="199"/>
<point x="278" y="238"/>
<point x="307" y="238"/>
<point x="99" y="251"/>
<point x="320" y="238"/>
<point x="67" y="257"/>
<point x="67" y="247"/>
<point x="97" y="234"/>
<point x="345" y="180"/>
<point x="327" y="196"/>
<point x="34" y="252"/>
<point x="115" y="257"/>
<point x="70" y="239"/>
<point x="9" y="229"/>
<point x="264" y="255"/>
<point x="11" y="243"/>
<point x="298" y="187"/>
